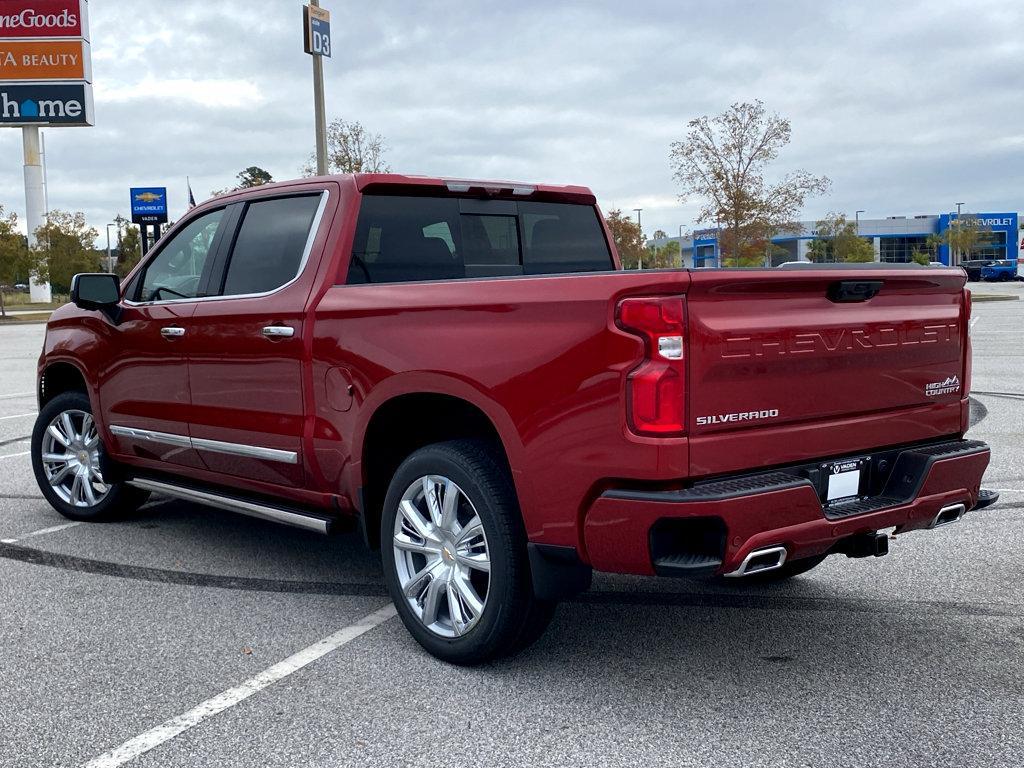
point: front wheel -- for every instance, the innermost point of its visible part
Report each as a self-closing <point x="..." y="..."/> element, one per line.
<point x="454" y="554"/>
<point x="67" y="459"/>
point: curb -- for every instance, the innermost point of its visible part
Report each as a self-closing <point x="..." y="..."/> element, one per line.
<point x="993" y="298"/>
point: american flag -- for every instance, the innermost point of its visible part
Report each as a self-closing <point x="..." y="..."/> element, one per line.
<point x="191" y="197"/>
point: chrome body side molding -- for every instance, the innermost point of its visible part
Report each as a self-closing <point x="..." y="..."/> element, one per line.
<point x="152" y="436"/>
<point x="241" y="450"/>
<point x="205" y="444"/>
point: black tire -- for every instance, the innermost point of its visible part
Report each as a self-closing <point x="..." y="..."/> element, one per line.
<point x="120" y="499"/>
<point x="788" y="570"/>
<point x="511" y="618"/>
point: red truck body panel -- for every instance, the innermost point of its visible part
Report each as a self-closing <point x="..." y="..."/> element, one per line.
<point x="543" y="358"/>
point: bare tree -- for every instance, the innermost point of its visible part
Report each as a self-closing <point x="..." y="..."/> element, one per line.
<point x="722" y="161"/>
<point x="351" y="149"/>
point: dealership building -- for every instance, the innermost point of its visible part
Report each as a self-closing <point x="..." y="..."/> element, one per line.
<point x="895" y="239"/>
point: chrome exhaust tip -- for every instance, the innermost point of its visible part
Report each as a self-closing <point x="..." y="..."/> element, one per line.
<point x="949" y="514"/>
<point x="763" y="559"/>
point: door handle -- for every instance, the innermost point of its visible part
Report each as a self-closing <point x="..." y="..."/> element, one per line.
<point x="172" y="332"/>
<point x="278" y="332"/>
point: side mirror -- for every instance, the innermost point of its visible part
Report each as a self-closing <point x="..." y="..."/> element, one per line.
<point x="97" y="291"/>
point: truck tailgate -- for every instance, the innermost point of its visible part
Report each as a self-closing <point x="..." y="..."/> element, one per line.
<point x="778" y="357"/>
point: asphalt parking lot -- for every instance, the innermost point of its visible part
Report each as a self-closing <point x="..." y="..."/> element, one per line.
<point x="110" y="631"/>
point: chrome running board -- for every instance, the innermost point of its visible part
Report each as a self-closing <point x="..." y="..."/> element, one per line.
<point x="302" y="520"/>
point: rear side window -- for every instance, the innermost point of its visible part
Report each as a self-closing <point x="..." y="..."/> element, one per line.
<point x="270" y="243"/>
<point x="407" y="238"/>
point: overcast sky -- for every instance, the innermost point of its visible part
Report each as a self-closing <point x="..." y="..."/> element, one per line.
<point x="907" y="107"/>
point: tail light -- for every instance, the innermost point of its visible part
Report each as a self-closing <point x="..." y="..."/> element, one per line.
<point x="656" y="389"/>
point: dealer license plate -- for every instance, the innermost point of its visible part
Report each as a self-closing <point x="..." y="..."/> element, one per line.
<point x="843" y="480"/>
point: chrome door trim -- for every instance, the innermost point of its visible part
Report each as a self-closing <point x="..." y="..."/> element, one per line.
<point x="266" y="512"/>
<point x="205" y="444"/>
<point x="242" y="450"/>
<point x="313" y="230"/>
<point x="151" y="435"/>
<point x="172" y="332"/>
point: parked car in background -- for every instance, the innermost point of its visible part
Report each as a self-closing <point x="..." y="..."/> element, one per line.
<point x="973" y="267"/>
<point x="1002" y="270"/>
<point x="21" y="286"/>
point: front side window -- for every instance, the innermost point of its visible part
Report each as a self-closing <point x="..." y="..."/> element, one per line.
<point x="175" y="272"/>
<point x="270" y="244"/>
<point x="406" y="238"/>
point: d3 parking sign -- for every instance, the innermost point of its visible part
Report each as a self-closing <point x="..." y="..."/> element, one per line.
<point x="316" y="25"/>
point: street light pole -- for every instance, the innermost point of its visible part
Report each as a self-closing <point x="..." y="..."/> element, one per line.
<point x="110" y="259"/>
<point x="957" y="255"/>
<point x="640" y="259"/>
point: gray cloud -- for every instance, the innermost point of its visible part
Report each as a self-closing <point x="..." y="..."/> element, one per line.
<point x="908" y="107"/>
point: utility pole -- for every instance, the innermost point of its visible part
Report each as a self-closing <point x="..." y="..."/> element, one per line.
<point x="35" y="203"/>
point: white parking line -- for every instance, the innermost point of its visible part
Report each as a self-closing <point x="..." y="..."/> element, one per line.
<point x="170" y="729"/>
<point x="20" y="454"/>
<point x="19" y="416"/>
<point x="47" y="530"/>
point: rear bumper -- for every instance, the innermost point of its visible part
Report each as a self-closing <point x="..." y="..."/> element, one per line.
<point x="723" y="521"/>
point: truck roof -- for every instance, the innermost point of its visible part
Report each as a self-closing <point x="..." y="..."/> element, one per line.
<point x="413" y="184"/>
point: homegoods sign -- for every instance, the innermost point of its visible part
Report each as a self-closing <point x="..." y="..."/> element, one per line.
<point x="44" y="18"/>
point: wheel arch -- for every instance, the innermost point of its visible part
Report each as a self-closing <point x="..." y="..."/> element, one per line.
<point x="61" y="376"/>
<point x="405" y="422"/>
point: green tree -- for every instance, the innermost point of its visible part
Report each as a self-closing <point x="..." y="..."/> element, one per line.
<point x="627" y="237"/>
<point x="665" y="255"/>
<point x="351" y="149"/>
<point x="253" y="176"/>
<point x="920" y="257"/>
<point x="722" y="162"/>
<point x="66" y="241"/>
<point x="17" y="261"/>
<point x="837" y="241"/>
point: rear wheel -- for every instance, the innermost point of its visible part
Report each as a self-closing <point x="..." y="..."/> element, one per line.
<point x="454" y="553"/>
<point x="68" y="459"/>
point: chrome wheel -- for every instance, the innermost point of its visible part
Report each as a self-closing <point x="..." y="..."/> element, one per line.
<point x="441" y="556"/>
<point x="71" y="459"/>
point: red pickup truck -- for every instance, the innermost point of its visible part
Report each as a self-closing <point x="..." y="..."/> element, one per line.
<point x="464" y="371"/>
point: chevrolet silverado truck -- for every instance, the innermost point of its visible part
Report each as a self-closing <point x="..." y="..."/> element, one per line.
<point x="463" y="371"/>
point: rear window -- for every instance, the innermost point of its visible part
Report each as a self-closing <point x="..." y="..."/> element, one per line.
<point x="406" y="238"/>
<point x="270" y="243"/>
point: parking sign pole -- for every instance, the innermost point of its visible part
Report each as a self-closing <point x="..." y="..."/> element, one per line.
<point x="319" y="114"/>
<point x="35" y="203"/>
